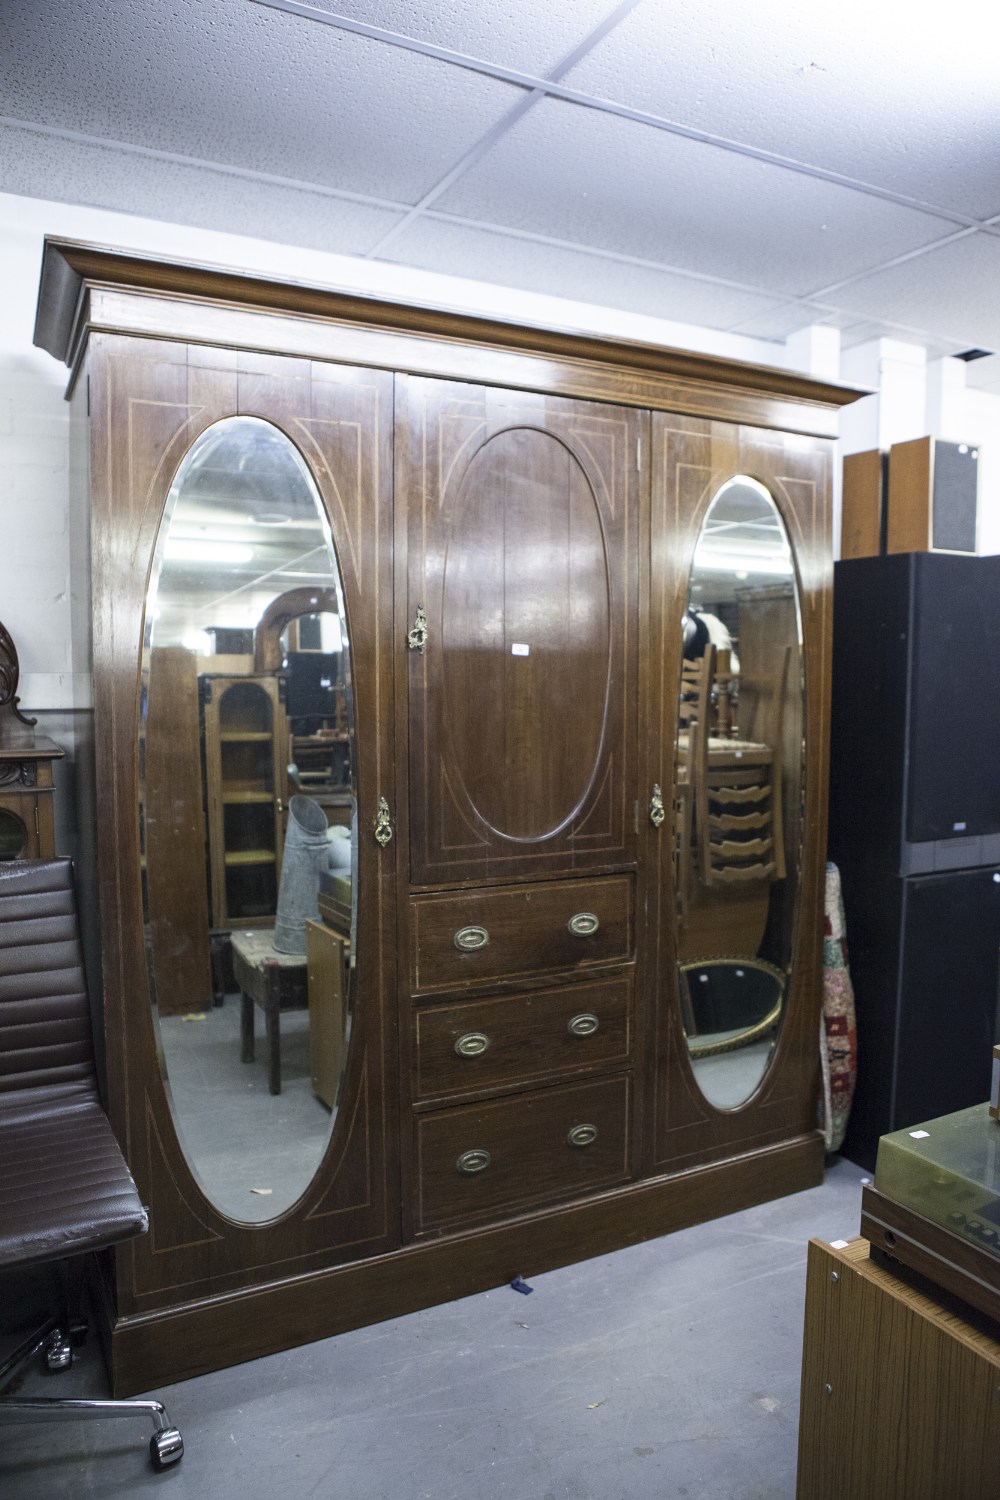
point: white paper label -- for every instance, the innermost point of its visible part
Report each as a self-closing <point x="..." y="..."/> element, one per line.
<point x="920" y="1135"/>
<point x="959" y="827"/>
<point x="519" y="649"/>
<point x="838" y="1244"/>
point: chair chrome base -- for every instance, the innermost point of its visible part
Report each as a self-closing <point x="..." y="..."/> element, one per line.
<point x="166" y="1446"/>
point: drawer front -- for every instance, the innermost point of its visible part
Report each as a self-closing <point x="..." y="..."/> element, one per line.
<point x="487" y="1045"/>
<point x="483" y="936"/>
<point x="486" y="1161"/>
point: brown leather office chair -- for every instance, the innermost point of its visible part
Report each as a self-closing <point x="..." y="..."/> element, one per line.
<point x="64" y="1186"/>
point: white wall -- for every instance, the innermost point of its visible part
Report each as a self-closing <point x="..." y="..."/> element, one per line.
<point x="34" y="424"/>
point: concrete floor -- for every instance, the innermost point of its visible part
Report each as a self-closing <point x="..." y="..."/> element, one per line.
<point x="669" y="1369"/>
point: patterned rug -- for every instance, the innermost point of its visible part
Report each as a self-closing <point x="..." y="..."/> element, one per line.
<point x="838" y="1037"/>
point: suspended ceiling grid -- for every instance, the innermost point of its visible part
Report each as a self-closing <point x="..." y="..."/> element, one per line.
<point x="748" y="168"/>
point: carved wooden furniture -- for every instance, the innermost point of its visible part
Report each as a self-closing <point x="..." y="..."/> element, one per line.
<point x="27" y="813"/>
<point x="513" y="514"/>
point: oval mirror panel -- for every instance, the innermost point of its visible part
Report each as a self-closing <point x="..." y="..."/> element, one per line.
<point x="246" y="785"/>
<point x="739" y="790"/>
<point x="528" y="620"/>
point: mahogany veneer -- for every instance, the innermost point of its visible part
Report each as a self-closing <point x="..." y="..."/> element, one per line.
<point x="534" y="499"/>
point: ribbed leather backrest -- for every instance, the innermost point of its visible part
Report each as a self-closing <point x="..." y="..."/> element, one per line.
<point x="46" y="1041"/>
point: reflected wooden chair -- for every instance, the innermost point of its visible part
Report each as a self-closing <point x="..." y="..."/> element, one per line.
<point x="694" y="707"/>
<point x="730" y="789"/>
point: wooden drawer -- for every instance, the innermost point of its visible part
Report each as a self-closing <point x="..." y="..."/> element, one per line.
<point x="488" y="1045"/>
<point x="487" y="1161"/>
<point x="520" y="930"/>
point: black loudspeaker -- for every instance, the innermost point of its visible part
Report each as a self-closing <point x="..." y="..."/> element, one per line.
<point x="933" y="492"/>
<point x="955" y="494"/>
<point x="915" y="830"/>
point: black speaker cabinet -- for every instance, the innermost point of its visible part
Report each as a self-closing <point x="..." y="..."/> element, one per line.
<point x="915" y="829"/>
<point x="933" y="496"/>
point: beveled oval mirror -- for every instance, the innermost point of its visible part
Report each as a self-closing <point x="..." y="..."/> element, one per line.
<point x="246" y="784"/>
<point x="739" y="790"/>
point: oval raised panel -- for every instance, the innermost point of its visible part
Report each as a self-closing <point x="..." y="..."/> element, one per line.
<point x="527" y="628"/>
<point x="246" y="760"/>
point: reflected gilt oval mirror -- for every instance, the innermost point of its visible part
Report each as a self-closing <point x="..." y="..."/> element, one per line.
<point x="246" y="786"/>
<point x="739" y="790"/>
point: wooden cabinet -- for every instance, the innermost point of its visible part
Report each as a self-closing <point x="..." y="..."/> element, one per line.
<point x="246" y="758"/>
<point x="513" y="514"/>
<point x="899" y="1394"/>
<point x="328" y="973"/>
<point x="27" y="813"/>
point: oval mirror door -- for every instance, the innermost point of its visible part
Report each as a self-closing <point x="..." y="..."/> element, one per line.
<point x="246" y="784"/>
<point x="739" y="791"/>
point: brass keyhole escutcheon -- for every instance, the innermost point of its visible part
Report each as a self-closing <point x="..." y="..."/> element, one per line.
<point x="383" y="823"/>
<point x="416" y="637"/>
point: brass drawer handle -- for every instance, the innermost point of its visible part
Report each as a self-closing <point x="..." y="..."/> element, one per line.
<point x="582" y="1135"/>
<point x="585" y="1024"/>
<point x="471" y="939"/>
<point x="472" y="1044"/>
<point x="474" y="1161"/>
<point x="584" y="924"/>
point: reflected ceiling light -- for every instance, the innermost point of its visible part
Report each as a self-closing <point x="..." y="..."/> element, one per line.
<point x="743" y="563"/>
<point x="180" y="549"/>
<point x="198" y="641"/>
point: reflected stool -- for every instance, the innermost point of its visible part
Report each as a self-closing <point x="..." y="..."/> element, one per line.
<point x="274" y="981"/>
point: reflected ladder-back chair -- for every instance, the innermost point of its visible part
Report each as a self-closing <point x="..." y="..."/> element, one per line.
<point x="694" y="707"/>
<point x="738" y="792"/>
<point x="65" y="1189"/>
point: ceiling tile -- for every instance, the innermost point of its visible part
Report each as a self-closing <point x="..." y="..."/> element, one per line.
<point x="236" y="83"/>
<point x="782" y="319"/>
<point x="495" y="31"/>
<point x="106" y="178"/>
<point x="951" y="293"/>
<point x="984" y="374"/>
<point x="578" y="175"/>
<point x="438" y="245"/>
<point x="906" y="99"/>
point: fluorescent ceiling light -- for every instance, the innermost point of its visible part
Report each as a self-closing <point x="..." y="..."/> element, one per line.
<point x="206" y="551"/>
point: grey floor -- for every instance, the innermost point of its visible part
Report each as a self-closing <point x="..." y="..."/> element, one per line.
<point x="669" y="1369"/>
<point x="254" y="1152"/>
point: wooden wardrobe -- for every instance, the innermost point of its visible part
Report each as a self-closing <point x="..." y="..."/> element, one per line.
<point x="514" y="513"/>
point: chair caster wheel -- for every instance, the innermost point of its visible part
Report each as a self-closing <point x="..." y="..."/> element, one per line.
<point x="166" y="1448"/>
<point x="58" y="1353"/>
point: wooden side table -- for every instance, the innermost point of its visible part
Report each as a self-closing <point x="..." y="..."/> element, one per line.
<point x="27" y="797"/>
<point x="274" y="981"/>
<point x="900" y="1397"/>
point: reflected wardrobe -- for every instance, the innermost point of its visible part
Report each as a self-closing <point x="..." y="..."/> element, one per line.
<point x="506" y="651"/>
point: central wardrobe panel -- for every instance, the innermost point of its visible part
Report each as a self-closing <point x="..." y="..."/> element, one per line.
<point x="522" y="533"/>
